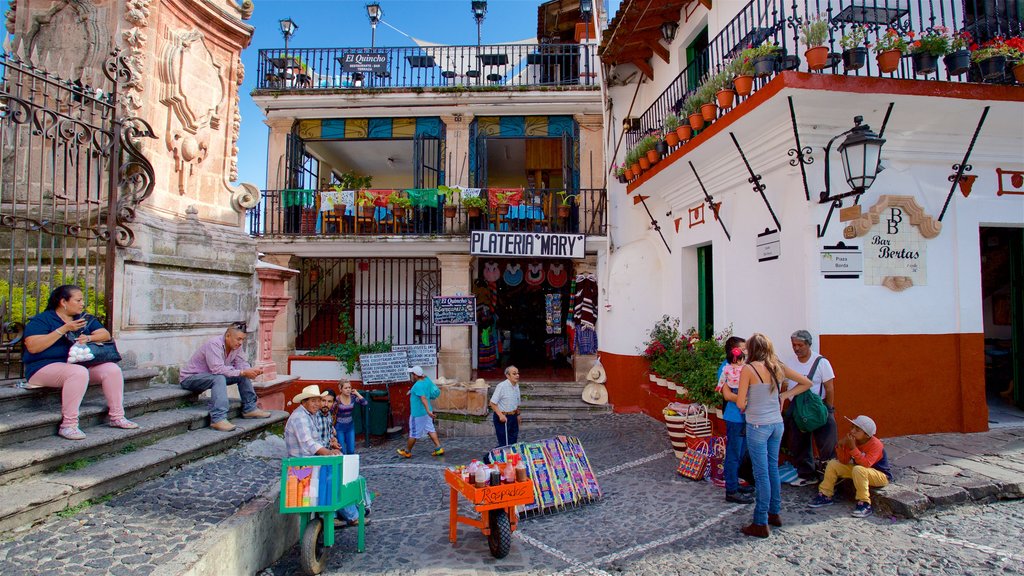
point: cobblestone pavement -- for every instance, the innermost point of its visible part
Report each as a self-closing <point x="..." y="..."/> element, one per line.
<point x="653" y="522"/>
<point x="132" y="534"/>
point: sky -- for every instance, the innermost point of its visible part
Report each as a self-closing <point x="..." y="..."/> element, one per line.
<point x="343" y="23"/>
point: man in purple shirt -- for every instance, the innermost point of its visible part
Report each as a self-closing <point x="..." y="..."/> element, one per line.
<point x="218" y="363"/>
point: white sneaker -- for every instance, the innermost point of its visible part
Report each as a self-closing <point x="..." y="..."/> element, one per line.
<point x="802" y="482"/>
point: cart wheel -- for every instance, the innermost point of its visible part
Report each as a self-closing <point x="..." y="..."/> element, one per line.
<point x="500" y="538"/>
<point x="312" y="552"/>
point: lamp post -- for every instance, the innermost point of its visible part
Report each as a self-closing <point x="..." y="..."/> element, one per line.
<point x="288" y="27"/>
<point x="375" y="13"/>
<point x="479" y="8"/>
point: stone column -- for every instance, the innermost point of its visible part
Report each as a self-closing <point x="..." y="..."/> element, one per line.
<point x="276" y="149"/>
<point x="274" y="298"/>
<point x="457" y="145"/>
<point x="454" y="358"/>
<point x="592" y="171"/>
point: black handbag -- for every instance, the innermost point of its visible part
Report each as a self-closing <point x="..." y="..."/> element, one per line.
<point x="102" y="352"/>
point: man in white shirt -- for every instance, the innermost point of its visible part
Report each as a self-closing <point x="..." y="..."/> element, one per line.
<point x="505" y="403"/>
<point x="824" y="438"/>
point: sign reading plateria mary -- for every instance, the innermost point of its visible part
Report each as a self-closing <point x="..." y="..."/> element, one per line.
<point x="896" y="231"/>
<point x="372" y="61"/>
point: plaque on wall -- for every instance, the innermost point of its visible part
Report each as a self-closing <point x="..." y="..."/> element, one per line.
<point x="384" y="367"/>
<point x="768" y="245"/>
<point x="527" y="244"/>
<point x="453" y="311"/>
<point x="896" y="231"/>
<point x="419" y="354"/>
<point x="841" y="261"/>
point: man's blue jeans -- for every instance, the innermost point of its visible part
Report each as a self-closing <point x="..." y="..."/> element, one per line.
<point x="508" y="431"/>
<point x="763" y="442"/>
<point x="735" y="448"/>
<point x="217" y="384"/>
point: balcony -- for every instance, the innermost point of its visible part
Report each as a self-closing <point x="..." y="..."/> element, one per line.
<point x="488" y="67"/>
<point x="330" y="214"/>
<point x="778" y="22"/>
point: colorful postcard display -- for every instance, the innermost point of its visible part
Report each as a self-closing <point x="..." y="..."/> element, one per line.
<point x="560" y="472"/>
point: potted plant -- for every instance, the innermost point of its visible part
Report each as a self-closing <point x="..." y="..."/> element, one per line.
<point x="994" y="56"/>
<point x="708" y="109"/>
<point x="651" y="148"/>
<point x="890" y="49"/>
<point x="671" y="126"/>
<point x="339" y="207"/>
<point x="814" y="34"/>
<point x="762" y="58"/>
<point x="855" y="47"/>
<point x="633" y="159"/>
<point x="620" y="174"/>
<point x="742" y="70"/>
<point x="660" y="145"/>
<point x="565" y="204"/>
<point x="721" y="84"/>
<point x="365" y="203"/>
<point x="501" y="200"/>
<point x="958" y="60"/>
<point x="474" y="205"/>
<point x="645" y="145"/>
<point x="399" y="205"/>
<point x="1016" y="59"/>
<point x="691" y="108"/>
<point x="926" y="51"/>
<point x="451" y="201"/>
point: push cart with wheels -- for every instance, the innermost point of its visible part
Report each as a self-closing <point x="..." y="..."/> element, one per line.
<point x="312" y="487"/>
<point x="497" y="508"/>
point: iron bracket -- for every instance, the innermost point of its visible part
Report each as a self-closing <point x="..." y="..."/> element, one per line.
<point x="755" y="181"/>
<point x="710" y="202"/>
<point x="801" y="154"/>
<point x="963" y="166"/>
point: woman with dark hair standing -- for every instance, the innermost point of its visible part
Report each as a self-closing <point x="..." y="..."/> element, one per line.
<point x="759" y="398"/>
<point x="49" y="336"/>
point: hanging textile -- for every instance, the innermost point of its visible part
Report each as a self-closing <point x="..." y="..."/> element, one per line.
<point x="570" y="323"/>
<point x="535" y="274"/>
<point x="423" y="197"/>
<point x="553" y="313"/>
<point x="586" y="340"/>
<point x="557" y="275"/>
<point x="585" y="300"/>
<point x="492" y="272"/>
<point x="554" y="347"/>
<point x="513" y="275"/>
<point x="513" y="196"/>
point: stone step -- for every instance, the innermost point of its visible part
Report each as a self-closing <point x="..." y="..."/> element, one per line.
<point x="50" y="452"/>
<point x="19" y="425"/>
<point x="11" y="396"/>
<point x="573" y="404"/>
<point x="543" y="419"/>
<point x="27" y="502"/>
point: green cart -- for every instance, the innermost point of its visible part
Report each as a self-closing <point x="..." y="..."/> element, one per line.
<point x="312" y="487"/>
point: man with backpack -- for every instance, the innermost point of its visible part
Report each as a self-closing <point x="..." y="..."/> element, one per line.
<point x="811" y="418"/>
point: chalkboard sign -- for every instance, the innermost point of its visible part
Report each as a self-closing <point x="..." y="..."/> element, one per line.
<point x="454" y="310"/>
<point x="419" y="354"/>
<point x="384" y="367"/>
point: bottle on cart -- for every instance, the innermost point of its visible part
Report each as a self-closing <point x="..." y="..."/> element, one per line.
<point x="481" y="477"/>
<point x="495" y="477"/>
<point x="473" y="465"/>
<point x="520" y="470"/>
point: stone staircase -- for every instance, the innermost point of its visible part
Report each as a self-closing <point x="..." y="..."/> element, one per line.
<point x="547" y="404"/>
<point x="41" y="473"/>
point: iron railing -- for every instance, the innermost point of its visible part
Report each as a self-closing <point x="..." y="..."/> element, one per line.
<point x="779" y="21"/>
<point x="494" y="66"/>
<point x="368" y="299"/>
<point x="284" y="213"/>
<point x="71" y="176"/>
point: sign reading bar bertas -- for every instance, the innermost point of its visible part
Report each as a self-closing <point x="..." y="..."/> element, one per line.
<point x="453" y="311"/>
<point x="384" y="367"/>
<point x="419" y="354"/>
<point x="896" y="231"/>
<point x="373" y="61"/>
<point x="526" y="244"/>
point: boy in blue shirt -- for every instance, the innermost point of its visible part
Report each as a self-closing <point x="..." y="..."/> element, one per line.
<point x="421" y="415"/>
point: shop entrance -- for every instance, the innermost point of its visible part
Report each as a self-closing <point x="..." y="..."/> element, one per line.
<point x="1002" y="290"/>
<point x="522" y="314"/>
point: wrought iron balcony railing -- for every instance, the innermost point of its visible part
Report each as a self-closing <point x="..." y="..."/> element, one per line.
<point x="779" y="21"/>
<point x="308" y="213"/>
<point x="496" y="66"/>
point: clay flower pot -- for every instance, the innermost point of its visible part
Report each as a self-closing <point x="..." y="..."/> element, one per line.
<point x="889" y="61"/>
<point x="709" y="112"/>
<point x="449" y="210"/>
<point x="725" y="98"/>
<point x="644" y="163"/>
<point x="696" y="120"/>
<point x="817" y="58"/>
<point x="685" y="132"/>
<point x="473" y="212"/>
<point x="628" y="175"/>
<point x="399" y="211"/>
<point x="653" y="156"/>
<point x="635" y="168"/>
<point x="563" y="210"/>
<point x="671" y="138"/>
<point x="1018" y="73"/>
<point x="744" y="85"/>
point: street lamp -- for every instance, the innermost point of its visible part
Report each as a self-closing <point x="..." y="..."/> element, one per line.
<point x="288" y="27"/>
<point x="586" y="11"/>
<point x="479" y="8"/>
<point x="861" y="153"/>
<point x="668" y="30"/>
<point x="375" y="13"/>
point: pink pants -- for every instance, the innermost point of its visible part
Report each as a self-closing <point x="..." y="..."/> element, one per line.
<point x="74" y="379"/>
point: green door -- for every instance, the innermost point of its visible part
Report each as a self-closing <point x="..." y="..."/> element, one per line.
<point x="705" y="293"/>
<point x="697" y="52"/>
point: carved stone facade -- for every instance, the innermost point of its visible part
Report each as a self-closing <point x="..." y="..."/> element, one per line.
<point x="191" y="268"/>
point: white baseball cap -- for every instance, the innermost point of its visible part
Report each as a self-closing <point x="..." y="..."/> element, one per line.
<point x="864" y="423"/>
<point x="417" y="371"/>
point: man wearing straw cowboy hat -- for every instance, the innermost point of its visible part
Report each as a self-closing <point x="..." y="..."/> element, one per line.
<point x="302" y="437"/>
<point x="505" y="403"/>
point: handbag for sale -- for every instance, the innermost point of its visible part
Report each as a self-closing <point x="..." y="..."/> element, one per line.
<point x="697" y="425"/>
<point x="693" y="465"/>
<point x="716" y="463"/>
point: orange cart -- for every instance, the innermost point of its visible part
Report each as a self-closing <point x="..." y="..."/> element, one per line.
<point x="497" y="508"/>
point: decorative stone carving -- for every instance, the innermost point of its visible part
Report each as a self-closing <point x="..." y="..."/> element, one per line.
<point x="895" y="255"/>
<point x="12" y="17"/>
<point x="137" y="16"/>
<point x="192" y="87"/>
<point x="236" y="122"/>
<point x="245" y="197"/>
<point x="72" y="32"/>
<point x="246" y="9"/>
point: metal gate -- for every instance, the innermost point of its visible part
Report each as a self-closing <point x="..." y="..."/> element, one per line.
<point x="71" y="177"/>
<point x="370" y="299"/>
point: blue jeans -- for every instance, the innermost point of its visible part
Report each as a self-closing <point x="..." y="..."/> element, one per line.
<point x="508" y="431"/>
<point x="735" y="448"/>
<point x="217" y="384"/>
<point x="763" y="442"/>
<point x="346" y="437"/>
